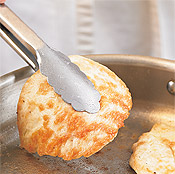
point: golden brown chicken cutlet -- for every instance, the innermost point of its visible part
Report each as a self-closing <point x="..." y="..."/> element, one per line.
<point x="154" y="153"/>
<point x="49" y="126"/>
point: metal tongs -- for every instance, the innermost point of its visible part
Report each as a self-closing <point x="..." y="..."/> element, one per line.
<point x="66" y="77"/>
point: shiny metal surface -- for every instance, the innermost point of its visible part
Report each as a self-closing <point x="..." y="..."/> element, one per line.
<point x="147" y="80"/>
<point x="21" y="32"/>
<point x="171" y="87"/>
<point x="66" y="77"/>
<point x="69" y="81"/>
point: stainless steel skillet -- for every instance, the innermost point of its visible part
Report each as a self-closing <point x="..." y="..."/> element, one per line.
<point x="147" y="79"/>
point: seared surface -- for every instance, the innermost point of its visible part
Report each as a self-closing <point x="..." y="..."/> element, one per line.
<point x="50" y="126"/>
<point x="154" y="153"/>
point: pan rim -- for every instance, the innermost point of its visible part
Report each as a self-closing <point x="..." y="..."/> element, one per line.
<point x="136" y="60"/>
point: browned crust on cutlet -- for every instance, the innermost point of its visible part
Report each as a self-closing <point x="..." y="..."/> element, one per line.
<point x="49" y="126"/>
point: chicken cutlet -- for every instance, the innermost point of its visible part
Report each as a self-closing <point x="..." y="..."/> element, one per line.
<point x="49" y="126"/>
<point x="154" y="153"/>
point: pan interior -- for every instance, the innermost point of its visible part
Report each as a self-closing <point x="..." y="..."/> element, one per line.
<point x="151" y="104"/>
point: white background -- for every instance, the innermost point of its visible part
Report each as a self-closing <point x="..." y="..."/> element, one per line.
<point x="140" y="27"/>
